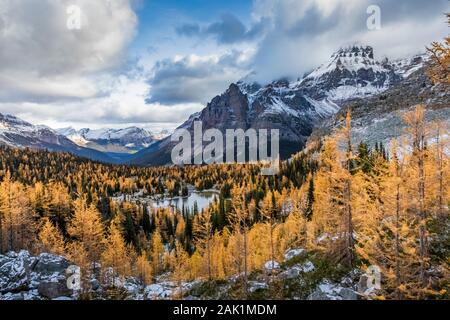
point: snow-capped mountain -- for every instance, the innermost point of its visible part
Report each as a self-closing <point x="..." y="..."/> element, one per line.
<point x="379" y="118"/>
<point x="128" y="140"/>
<point x="18" y="133"/>
<point x="296" y="107"/>
<point x="352" y="73"/>
<point x="376" y="90"/>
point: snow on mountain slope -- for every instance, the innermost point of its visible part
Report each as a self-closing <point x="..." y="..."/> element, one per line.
<point x="128" y="140"/>
<point x="379" y="118"/>
<point x="351" y="59"/>
<point x="406" y="67"/>
<point x="296" y="108"/>
<point x="17" y="133"/>
<point x="352" y="72"/>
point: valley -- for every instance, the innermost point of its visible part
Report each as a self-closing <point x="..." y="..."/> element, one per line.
<point x="357" y="209"/>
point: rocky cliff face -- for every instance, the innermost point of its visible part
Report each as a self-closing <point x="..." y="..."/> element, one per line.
<point x="296" y="107"/>
<point x="353" y="72"/>
<point x="379" y="118"/>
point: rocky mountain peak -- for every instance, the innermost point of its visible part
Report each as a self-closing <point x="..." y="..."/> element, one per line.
<point x="10" y="120"/>
<point x="355" y="51"/>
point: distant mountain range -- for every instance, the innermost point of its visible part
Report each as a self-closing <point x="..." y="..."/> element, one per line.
<point x="122" y="141"/>
<point x="15" y="132"/>
<point x="312" y="105"/>
<point x="106" y="145"/>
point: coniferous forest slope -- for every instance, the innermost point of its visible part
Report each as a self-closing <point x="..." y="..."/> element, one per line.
<point x="339" y="213"/>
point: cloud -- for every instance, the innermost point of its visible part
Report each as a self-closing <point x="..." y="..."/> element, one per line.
<point x="303" y="34"/>
<point x="42" y="60"/>
<point x="49" y="74"/>
<point x="228" y="30"/>
<point x="124" y="106"/>
<point x="196" y="79"/>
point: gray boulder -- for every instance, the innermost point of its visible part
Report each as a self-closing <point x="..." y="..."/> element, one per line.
<point x="48" y="265"/>
<point x="53" y="290"/>
<point x="14" y="271"/>
<point x="257" y="286"/>
<point x="159" y="291"/>
<point x="293" y="253"/>
<point x="291" y="273"/>
<point x="272" y="266"/>
<point x="331" y="291"/>
<point x="23" y="277"/>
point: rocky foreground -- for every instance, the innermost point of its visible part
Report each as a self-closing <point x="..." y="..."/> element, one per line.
<point x="45" y="277"/>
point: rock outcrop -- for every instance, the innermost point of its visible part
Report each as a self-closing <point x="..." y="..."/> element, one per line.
<point x="45" y="277"/>
<point x="24" y="277"/>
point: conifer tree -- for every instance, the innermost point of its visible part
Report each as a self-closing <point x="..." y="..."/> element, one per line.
<point x="418" y="134"/>
<point x="203" y="232"/>
<point x="349" y="160"/>
<point x="17" y="224"/>
<point x="268" y="212"/>
<point x="50" y="239"/>
<point x="440" y="60"/>
<point x="308" y="211"/>
<point x="86" y="227"/>
<point x="181" y="266"/>
<point x="157" y="252"/>
<point x="240" y="220"/>
<point x="144" y="269"/>
<point x="116" y="255"/>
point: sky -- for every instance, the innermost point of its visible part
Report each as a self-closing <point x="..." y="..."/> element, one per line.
<point x="152" y="63"/>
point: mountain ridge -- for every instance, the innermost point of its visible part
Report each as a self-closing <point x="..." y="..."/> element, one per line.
<point x="122" y="141"/>
<point x="297" y="107"/>
<point x="15" y="132"/>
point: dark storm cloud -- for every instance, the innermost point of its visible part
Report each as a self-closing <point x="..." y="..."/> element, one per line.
<point x="194" y="79"/>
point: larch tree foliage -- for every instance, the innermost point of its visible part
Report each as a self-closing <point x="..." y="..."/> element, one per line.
<point x="86" y="228"/>
<point x="400" y="247"/>
<point x="143" y="268"/>
<point x="293" y="232"/>
<point x="327" y="209"/>
<point x="157" y="252"/>
<point x="259" y="246"/>
<point x="116" y="260"/>
<point x="203" y="232"/>
<point x="385" y="236"/>
<point x="349" y="251"/>
<point x="333" y="208"/>
<point x="440" y="60"/>
<point x="51" y="239"/>
<point x="240" y="219"/>
<point x="269" y="214"/>
<point x="60" y="205"/>
<point x="440" y="169"/>
<point x="419" y="134"/>
<point x="218" y="256"/>
<point x="181" y="266"/>
<point x="17" y="226"/>
<point x="395" y="221"/>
